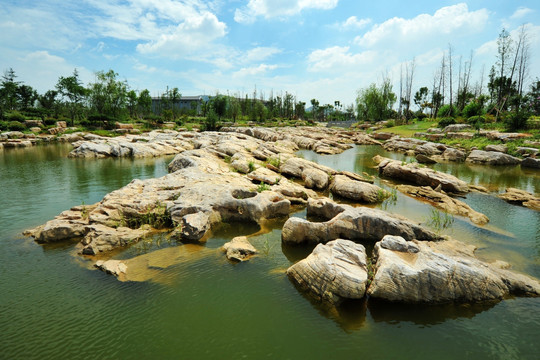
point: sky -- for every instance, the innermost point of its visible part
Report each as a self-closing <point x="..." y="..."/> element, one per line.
<point x="322" y="49"/>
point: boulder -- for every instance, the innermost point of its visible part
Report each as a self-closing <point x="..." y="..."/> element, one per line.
<point x="333" y="272"/>
<point x="498" y="148"/>
<point x="264" y="175"/>
<point x="119" y="125"/>
<point x="357" y="190"/>
<point x="451" y="154"/>
<point x="444" y="202"/>
<point x="423" y="159"/>
<point x="61" y="124"/>
<point x="459" y="135"/>
<point x="527" y="151"/>
<point x="491" y="158"/>
<point x="347" y="222"/>
<point x="315" y="178"/>
<point x="456" y="128"/>
<point x="420" y="175"/>
<point x="441" y="272"/>
<point x="382" y="135"/>
<point x="239" y="249"/>
<point x="531" y="163"/>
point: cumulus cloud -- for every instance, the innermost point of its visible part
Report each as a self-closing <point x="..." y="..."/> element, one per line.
<point x="354" y="23"/>
<point x="255" y="70"/>
<point x="445" y="21"/>
<point x="521" y="12"/>
<point x="338" y="58"/>
<point x="278" y="8"/>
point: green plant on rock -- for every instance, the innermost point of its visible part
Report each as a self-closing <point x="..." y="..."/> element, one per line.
<point x="440" y="221"/>
<point x="84" y="211"/>
<point x="251" y="166"/>
<point x="262" y="187"/>
<point x="382" y="195"/>
<point x="276" y="162"/>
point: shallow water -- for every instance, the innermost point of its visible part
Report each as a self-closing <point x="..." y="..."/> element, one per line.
<point x="195" y="304"/>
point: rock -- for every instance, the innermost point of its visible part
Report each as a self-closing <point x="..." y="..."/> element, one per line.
<point x="497" y="148"/>
<point x="451" y="154"/>
<point x="434" y="130"/>
<point x="531" y="163"/>
<point x="435" y="137"/>
<point x="363" y="139"/>
<point x="35" y="130"/>
<point x="423" y="159"/>
<point x="357" y="190"/>
<point x="459" y="135"/>
<point x="101" y="238"/>
<point x="61" y="124"/>
<point x="456" y="128"/>
<point x="113" y="267"/>
<point x="59" y="229"/>
<point x="521" y="197"/>
<point x="491" y="158"/>
<point x="382" y="135"/>
<point x="315" y="178"/>
<point x="239" y="249"/>
<point x="527" y="151"/>
<point x="420" y="175"/>
<point x="440" y="272"/>
<point x="402" y="144"/>
<point x="347" y="222"/>
<point x="264" y="175"/>
<point x="333" y="272"/>
<point x="356" y="176"/>
<point x="119" y="125"/>
<point x="33" y="123"/>
<point x="444" y="202"/>
<point x="397" y="243"/>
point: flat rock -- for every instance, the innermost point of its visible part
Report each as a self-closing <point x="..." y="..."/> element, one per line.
<point x="444" y="202"/>
<point x="423" y="159"/>
<point x="239" y="249"/>
<point x="333" y="272"/>
<point x="497" y="148"/>
<point x="521" y="197"/>
<point x="452" y="154"/>
<point x="264" y="175"/>
<point x="456" y="128"/>
<point x="420" y="175"/>
<point x="113" y="267"/>
<point x="441" y="272"/>
<point x="491" y="158"/>
<point x="347" y="222"/>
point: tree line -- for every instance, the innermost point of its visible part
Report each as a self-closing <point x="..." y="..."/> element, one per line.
<point x="452" y="92"/>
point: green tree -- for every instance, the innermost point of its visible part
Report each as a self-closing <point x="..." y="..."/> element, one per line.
<point x="144" y="102"/>
<point x="132" y="98"/>
<point x="235" y="108"/>
<point x="300" y="109"/>
<point x="174" y="98"/>
<point x="314" y="108"/>
<point x="260" y="110"/>
<point x="48" y="101"/>
<point x="8" y="90"/>
<point x="375" y="103"/>
<point x="108" y="95"/>
<point x="26" y="96"/>
<point x="73" y="94"/>
<point x="219" y="104"/>
<point x="420" y="98"/>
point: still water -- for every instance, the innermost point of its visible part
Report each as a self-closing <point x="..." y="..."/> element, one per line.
<point x="198" y="305"/>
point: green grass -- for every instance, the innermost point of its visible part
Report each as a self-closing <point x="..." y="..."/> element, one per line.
<point x="409" y="129"/>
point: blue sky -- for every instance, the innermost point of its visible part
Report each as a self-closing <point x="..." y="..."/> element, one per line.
<point x="324" y="49"/>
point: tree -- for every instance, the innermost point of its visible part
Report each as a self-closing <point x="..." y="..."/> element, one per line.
<point x="375" y="103"/>
<point x="174" y="97"/>
<point x="260" y="110"/>
<point x="219" y="103"/>
<point x="73" y="94"/>
<point x="49" y="102"/>
<point x="144" y="102"/>
<point x="300" y="109"/>
<point x="314" y="108"/>
<point x="406" y="96"/>
<point x="420" y="98"/>
<point x="132" y="98"/>
<point x="108" y="95"/>
<point x="26" y="96"/>
<point x="8" y="90"/>
<point x="235" y="108"/>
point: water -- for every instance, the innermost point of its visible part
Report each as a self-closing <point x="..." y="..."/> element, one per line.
<point x="52" y="306"/>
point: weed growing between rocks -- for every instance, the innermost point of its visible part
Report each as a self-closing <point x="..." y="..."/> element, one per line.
<point x="440" y="221"/>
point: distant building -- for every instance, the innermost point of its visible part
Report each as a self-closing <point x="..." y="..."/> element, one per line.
<point x="186" y="103"/>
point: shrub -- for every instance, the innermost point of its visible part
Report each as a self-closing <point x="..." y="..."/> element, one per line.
<point x="211" y="122"/>
<point x="390" y="123"/>
<point x="15" y="126"/>
<point x="447" y="111"/>
<point x="49" y="121"/>
<point x="420" y="115"/>
<point x="3" y="125"/>
<point x="444" y="122"/>
<point x="15" y="116"/>
<point x="476" y="122"/>
<point x="472" y="109"/>
<point x="516" y="120"/>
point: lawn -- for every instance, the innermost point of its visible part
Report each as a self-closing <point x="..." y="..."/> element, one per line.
<point x="409" y="129"/>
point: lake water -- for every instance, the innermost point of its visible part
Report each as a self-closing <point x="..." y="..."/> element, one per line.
<point x="53" y="306"/>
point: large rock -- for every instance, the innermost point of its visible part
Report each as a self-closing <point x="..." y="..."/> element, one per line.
<point x="357" y="190"/>
<point x="440" y="272"/>
<point x="347" y="222"/>
<point x="444" y="202"/>
<point x="451" y="154"/>
<point x="531" y="163"/>
<point x="497" y="148"/>
<point x="491" y="158"/>
<point x="239" y="249"/>
<point x="113" y="267"/>
<point x="521" y="197"/>
<point x="420" y="175"/>
<point x="333" y="272"/>
<point x="456" y="127"/>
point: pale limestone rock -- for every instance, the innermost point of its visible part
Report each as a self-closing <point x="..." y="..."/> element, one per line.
<point x="357" y="190"/>
<point x="113" y="267"/>
<point x="239" y="249"/>
<point x="491" y="158"/>
<point x="521" y="197"/>
<point x="333" y="272"/>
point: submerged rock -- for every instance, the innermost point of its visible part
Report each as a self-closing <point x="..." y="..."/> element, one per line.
<point x="444" y="202"/>
<point x="113" y="267"/>
<point x="521" y="197"/>
<point x="439" y="272"/>
<point x="347" y="222"/>
<point x="239" y="249"/>
<point x="333" y="272"/>
<point x="423" y="176"/>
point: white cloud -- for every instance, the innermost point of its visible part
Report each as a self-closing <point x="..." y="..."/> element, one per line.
<point x="261" y="53"/>
<point x="354" y="23"/>
<point x="278" y="8"/>
<point x="521" y="12"/>
<point x="446" y="21"/>
<point x="254" y="70"/>
<point x="338" y="58"/>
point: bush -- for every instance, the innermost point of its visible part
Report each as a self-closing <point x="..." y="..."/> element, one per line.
<point x="3" y="125"/>
<point x="49" y="121"/>
<point x="15" y="126"/>
<point x="211" y="122"/>
<point x="444" y="122"/>
<point x="446" y="111"/>
<point x="390" y="123"/>
<point x="516" y="120"/>
<point x="15" y="116"/>
<point x="420" y="115"/>
<point x="476" y="122"/>
<point x="472" y="109"/>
